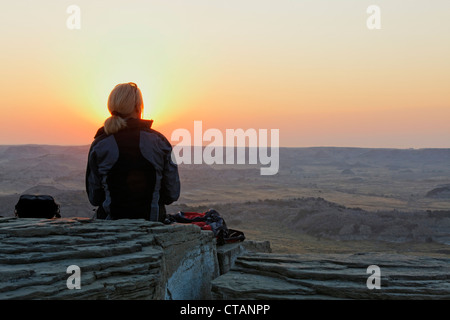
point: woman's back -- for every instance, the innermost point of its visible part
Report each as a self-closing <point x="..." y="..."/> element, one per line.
<point x="130" y="173"/>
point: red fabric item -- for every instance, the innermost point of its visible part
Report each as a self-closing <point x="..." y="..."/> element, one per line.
<point x="203" y="225"/>
<point x="192" y="215"/>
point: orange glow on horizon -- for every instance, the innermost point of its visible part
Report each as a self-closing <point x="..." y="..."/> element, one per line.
<point x="310" y="69"/>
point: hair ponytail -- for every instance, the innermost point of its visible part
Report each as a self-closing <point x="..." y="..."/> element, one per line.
<point x="123" y="100"/>
<point x="113" y="124"/>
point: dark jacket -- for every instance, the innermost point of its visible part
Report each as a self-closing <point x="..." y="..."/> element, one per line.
<point x="130" y="174"/>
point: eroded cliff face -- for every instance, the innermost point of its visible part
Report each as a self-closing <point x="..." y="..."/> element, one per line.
<point x="137" y="259"/>
<point x="123" y="259"/>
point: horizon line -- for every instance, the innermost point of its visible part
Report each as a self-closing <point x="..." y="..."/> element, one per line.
<point x="197" y="146"/>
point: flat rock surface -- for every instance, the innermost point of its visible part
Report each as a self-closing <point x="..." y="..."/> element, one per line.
<point x="334" y="276"/>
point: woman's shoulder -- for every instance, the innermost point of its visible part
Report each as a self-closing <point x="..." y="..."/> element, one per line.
<point x="153" y="138"/>
<point x="158" y="134"/>
<point x="100" y="131"/>
<point x="102" y="142"/>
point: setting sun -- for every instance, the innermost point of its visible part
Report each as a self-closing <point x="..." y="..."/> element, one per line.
<point x="313" y="70"/>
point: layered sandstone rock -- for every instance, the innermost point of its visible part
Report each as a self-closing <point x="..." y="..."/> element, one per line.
<point x="137" y="259"/>
<point x="124" y="259"/>
<point x="334" y="276"/>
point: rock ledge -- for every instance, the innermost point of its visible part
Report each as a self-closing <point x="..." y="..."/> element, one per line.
<point x="124" y="259"/>
<point x="137" y="259"/>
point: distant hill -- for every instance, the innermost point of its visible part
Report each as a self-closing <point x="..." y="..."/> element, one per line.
<point x="439" y="192"/>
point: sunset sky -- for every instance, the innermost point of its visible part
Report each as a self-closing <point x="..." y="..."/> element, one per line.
<point x="310" y="68"/>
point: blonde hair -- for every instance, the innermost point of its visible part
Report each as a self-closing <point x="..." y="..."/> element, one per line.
<point x="123" y="101"/>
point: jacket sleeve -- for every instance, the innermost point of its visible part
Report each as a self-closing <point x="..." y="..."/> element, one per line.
<point x="170" y="182"/>
<point x="94" y="187"/>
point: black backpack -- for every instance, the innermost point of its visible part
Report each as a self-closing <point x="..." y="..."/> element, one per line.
<point x="37" y="206"/>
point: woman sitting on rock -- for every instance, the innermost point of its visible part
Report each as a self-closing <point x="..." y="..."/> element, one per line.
<point x="130" y="173"/>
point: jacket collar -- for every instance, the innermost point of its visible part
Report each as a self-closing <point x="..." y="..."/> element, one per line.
<point x="139" y="123"/>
